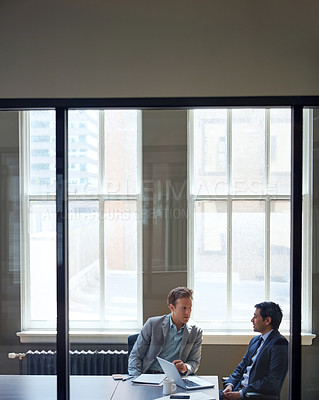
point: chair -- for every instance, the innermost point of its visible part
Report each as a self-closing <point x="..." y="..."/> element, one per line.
<point x="256" y="396"/>
<point x="131" y="341"/>
<point x="260" y="396"/>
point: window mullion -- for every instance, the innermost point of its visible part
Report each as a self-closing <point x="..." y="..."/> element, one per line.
<point x="307" y="219"/>
<point x="24" y="122"/>
<point x="101" y="215"/>
<point x="101" y="185"/>
<point x="267" y="205"/>
<point x="229" y="217"/>
<point x="267" y="248"/>
<point x="191" y="198"/>
<point x="229" y="260"/>
<point x="102" y="261"/>
<point x="267" y="149"/>
<point x="139" y="200"/>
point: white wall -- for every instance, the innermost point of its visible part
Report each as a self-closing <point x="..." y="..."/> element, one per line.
<point x="148" y="48"/>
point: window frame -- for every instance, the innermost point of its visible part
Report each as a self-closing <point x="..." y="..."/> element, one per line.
<point x="81" y="330"/>
<point x="235" y="334"/>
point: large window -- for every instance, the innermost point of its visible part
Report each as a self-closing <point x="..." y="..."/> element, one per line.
<point x="104" y="185"/>
<point x="238" y="217"/>
<point x="240" y="171"/>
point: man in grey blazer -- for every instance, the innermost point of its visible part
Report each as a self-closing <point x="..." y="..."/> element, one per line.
<point x="265" y="364"/>
<point x="172" y="337"/>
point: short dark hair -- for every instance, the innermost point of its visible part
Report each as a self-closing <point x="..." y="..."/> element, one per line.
<point x="179" y="293"/>
<point x="272" y="310"/>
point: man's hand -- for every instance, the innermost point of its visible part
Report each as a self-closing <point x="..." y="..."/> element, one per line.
<point x="181" y="367"/>
<point x="229" y="395"/>
<point x="227" y="389"/>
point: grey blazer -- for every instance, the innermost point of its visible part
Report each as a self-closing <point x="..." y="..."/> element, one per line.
<point x="151" y="340"/>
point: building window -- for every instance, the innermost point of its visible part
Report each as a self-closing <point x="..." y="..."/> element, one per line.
<point x="104" y="220"/>
<point x="239" y="208"/>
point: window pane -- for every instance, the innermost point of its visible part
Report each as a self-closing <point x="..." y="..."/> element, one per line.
<point x="120" y="230"/>
<point x="102" y="160"/>
<point x="43" y="261"/>
<point x="210" y="152"/>
<point x="280" y="143"/>
<point x="248" y="257"/>
<point x="83" y="151"/>
<point x="248" y="151"/>
<point x="280" y="254"/>
<point x="42" y="152"/>
<point x="84" y="266"/>
<point x="210" y="260"/>
<point x="121" y="151"/>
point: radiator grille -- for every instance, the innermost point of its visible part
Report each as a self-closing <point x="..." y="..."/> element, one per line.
<point x="81" y="362"/>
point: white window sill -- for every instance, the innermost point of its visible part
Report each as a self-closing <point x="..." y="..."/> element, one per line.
<point x="233" y="338"/>
<point x="75" y="337"/>
<point x="121" y="337"/>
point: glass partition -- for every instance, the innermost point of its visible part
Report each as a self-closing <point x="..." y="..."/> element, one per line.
<point x="28" y="246"/>
<point x="157" y="199"/>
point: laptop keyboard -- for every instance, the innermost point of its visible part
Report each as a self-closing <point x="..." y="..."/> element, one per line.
<point x="190" y="383"/>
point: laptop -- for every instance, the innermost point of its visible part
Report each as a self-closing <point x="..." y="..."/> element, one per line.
<point x="190" y="383"/>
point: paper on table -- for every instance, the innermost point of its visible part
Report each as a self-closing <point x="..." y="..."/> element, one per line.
<point x="193" y="396"/>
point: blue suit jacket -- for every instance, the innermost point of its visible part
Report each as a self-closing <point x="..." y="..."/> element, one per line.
<point x="268" y="373"/>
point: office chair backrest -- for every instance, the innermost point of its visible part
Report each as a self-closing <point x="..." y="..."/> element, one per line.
<point x="131" y="341"/>
<point x="260" y="396"/>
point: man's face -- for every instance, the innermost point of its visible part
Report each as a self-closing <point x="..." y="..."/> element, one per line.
<point x="260" y="325"/>
<point x="181" y="312"/>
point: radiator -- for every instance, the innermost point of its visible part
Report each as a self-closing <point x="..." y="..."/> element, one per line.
<point x="81" y="362"/>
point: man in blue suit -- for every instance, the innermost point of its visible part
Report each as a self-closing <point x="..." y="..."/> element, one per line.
<point x="265" y="364"/>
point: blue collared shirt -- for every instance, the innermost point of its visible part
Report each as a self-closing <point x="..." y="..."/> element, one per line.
<point x="172" y="346"/>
